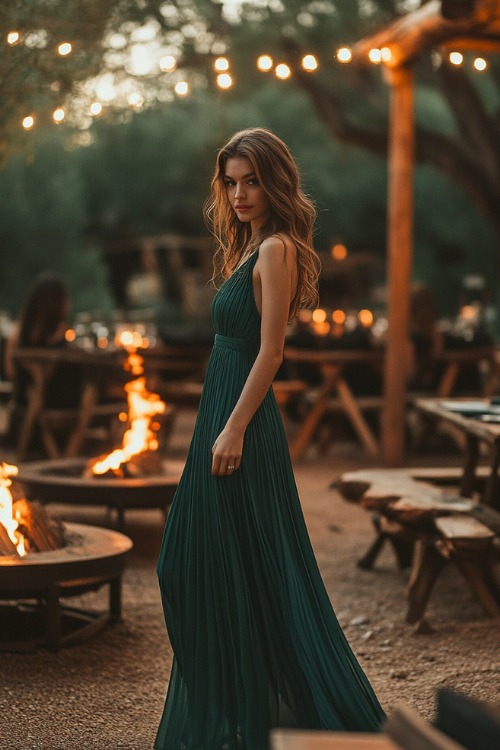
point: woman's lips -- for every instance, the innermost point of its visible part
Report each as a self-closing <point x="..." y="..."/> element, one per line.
<point x="242" y="208"/>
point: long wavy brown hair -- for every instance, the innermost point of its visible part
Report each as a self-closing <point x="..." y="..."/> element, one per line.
<point x="292" y="213"/>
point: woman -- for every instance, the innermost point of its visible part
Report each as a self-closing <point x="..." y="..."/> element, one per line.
<point x="256" y="643"/>
<point x="42" y="323"/>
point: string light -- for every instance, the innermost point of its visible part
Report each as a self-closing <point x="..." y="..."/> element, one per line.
<point x="309" y="63"/>
<point x="319" y="315"/>
<point x="28" y="122"/>
<point x="344" y="54"/>
<point x="13" y="37"/>
<point x="480" y="64"/>
<point x="65" y="48"/>
<point x="58" y="114"/>
<point x="181" y="88"/>
<point x="375" y="55"/>
<point x="221" y="64"/>
<point x="95" y="108"/>
<point x="135" y="99"/>
<point x="265" y="63"/>
<point x="338" y="317"/>
<point x="386" y="54"/>
<point x="224" y="81"/>
<point x="456" y="58"/>
<point x="338" y="251"/>
<point x="365" y="317"/>
<point x="282" y="71"/>
<point x="168" y="63"/>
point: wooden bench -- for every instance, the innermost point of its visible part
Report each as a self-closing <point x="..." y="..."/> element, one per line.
<point x="428" y="529"/>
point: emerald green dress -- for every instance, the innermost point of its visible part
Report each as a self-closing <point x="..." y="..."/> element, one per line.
<point x="256" y="642"/>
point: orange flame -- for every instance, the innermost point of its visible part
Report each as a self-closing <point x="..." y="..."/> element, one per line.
<point x="6" y="507"/>
<point x="143" y="406"/>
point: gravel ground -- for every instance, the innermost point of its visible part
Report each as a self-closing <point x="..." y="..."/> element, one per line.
<point x="108" y="692"/>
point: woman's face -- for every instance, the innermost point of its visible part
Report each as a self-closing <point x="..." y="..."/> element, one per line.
<point x="244" y="192"/>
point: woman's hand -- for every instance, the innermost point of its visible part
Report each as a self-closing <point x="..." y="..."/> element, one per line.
<point x="226" y="451"/>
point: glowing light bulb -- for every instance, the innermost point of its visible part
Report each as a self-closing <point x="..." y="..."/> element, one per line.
<point x="283" y="71"/>
<point x="224" y="81"/>
<point x="65" y="48"/>
<point x="221" y="64"/>
<point x="386" y="54"/>
<point x="456" y="58"/>
<point x="13" y="37"/>
<point x="265" y="63"/>
<point x="339" y="251"/>
<point x="181" y="88"/>
<point x="28" y="122"/>
<point x="58" y="114"/>
<point x="168" y="63"/>
<point x="95" y="108"/>
<point x="135" y="99"/>
<point x="365" y="317"/>
<point x="480" y="63"/>
<point x="344" y="54"/>
<point x="338" y="317"/>
<point x="309" y="63"/>
<point x="375" y="55"/>
<point x="319" y="315"/>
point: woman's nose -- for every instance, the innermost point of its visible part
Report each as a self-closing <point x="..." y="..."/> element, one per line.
<point x="240" y="190"/>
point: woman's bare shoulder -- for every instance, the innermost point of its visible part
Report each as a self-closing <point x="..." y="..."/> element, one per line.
<point x="279" y="245"/>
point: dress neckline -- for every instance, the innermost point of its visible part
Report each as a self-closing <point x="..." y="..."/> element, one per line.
<point x="242" y="263"/>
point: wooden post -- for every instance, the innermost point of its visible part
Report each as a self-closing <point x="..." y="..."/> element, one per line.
<point x="399" y="263"/>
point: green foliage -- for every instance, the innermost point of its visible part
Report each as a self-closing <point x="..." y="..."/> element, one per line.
<point x="42" y="225"/>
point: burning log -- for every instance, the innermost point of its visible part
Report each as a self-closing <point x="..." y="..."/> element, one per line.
<point x="25" y="527"/>
<point x="41" y="531"/>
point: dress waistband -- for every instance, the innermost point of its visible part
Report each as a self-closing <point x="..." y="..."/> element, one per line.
<point x="239" y="345"/>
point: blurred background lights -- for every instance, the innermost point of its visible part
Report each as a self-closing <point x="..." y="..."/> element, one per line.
<point x="168" y="63"/>
<point x="95" y="108"/>
<point x="224" y="81"/>
<point x="338" y="317"/>
<point x="319" y="315"/>
<point x="365" y="317"/>
<point x="58" y="115"/>
<point x="265" y="63"/>
<point x="386" y="54"/>
<point x="344" y="55"/>
<point x="338" y="251"/>
<point x="181" y="88"/>
<point x="64" y="48"/>
<point x="221" y="64"/>
<point x="456" y="58"/>
<point x="135" y="99"/>
<point x="283" y="71"/>
<point x="13" y="37"/>
<point x="309" y="62"/>
<point x="480" y="63"/>
<point x="28" y="122"/>
<point x="375" y="55"/>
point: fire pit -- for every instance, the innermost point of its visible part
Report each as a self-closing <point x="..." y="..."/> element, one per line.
<point x="91" y="558"/>
<point x="63" y="481"/>
<point x="43" y="560"/>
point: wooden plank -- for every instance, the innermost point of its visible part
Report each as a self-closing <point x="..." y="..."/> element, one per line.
<point x="308" y="740"/>
<point x="457" y="527"/>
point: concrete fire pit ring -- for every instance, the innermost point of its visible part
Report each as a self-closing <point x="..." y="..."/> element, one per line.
<point x="60" y="481"/>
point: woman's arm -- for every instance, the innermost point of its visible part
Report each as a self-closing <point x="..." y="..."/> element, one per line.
<point x="276" y="273"/>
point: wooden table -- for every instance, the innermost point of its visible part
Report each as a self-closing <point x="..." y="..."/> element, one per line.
<point x="96" y="367"/>
<point x="331" y="364"/>
<point x="454" y="361"/>
<point x="476" y="431"/>
<point x="283" y="739"/>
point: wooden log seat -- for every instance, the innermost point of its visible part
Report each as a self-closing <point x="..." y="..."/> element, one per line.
<point x="428" y="529"/>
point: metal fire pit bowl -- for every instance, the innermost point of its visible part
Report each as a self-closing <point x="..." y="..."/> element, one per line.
<point x="91" y="558"/>
<point x="61" y="481"/>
